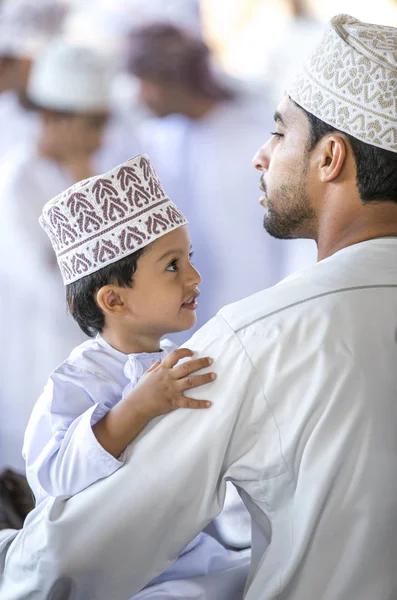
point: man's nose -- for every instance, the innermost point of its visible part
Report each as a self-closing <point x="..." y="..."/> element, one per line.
<point x="261" y="159"/>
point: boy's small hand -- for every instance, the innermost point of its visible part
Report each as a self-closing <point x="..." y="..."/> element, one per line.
<point x="161" y="388"/>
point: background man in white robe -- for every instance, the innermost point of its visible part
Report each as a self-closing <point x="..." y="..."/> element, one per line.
<point x="70" y="87"/>
<point x="304" y="406"/>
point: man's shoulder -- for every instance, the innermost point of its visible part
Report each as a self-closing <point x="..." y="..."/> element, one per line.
<point x="361" y="266"/>
<point x="292" y="291"/>
<point x="225" y="328"/>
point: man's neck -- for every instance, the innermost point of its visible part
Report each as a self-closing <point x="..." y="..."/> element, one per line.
<point x="373" y="220"/>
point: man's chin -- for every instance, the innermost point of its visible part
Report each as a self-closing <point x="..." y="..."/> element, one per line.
<point x="277" y="229"/>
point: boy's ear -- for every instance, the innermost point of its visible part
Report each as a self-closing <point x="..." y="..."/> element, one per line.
<point x="110" y="299"/>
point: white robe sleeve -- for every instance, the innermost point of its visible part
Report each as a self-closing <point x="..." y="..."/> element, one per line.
<point x="61" y="451"/>
<point x="113" y="538"/>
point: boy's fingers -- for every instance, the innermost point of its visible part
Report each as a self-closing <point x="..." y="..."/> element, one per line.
<point x="193" y="381"/>
<point x="175" y="356"/>
<point x="184" y="402"/>
<point x="154" y="366"/>
<point x="190" y="366"/>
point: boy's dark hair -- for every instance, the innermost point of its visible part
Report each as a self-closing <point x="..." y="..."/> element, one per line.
<point x="80" y="295"/>
<point x="376" y="168"/>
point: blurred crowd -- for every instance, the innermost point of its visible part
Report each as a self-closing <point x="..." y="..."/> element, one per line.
<point x="83" y="87"/>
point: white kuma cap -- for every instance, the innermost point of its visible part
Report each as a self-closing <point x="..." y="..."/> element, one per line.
<point x="26" y="26"/>
<point x="66" y="77"/>
<point x="350" y="81"/>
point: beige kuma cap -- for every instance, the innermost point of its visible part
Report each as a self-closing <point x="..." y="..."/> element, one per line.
<point x="100" y="220"/>
<point x="350" y="81"/>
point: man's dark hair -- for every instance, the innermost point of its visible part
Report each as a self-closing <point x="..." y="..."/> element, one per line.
<point x="376" y="168"/>
<point x="80" y="295"/>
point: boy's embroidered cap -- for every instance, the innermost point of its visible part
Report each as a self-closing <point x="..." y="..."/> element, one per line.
<point x="350" y="81"/>
<point x="100" y="220"/>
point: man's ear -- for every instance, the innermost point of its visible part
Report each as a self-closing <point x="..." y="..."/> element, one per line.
<point x="110" y="299"/>
<point x="332" y="156"/>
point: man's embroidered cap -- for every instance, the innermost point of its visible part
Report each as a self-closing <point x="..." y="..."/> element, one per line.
<point x="350" y="81"/>
<point x="100" y="220"/>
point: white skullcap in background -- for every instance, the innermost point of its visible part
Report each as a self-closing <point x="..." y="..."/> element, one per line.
<point x="69" y="78"/>
<point x="27" y="25"/>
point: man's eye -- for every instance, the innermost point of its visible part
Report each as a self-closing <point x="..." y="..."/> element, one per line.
<point x="277" y="134"/>
<point x="173" y="265"/>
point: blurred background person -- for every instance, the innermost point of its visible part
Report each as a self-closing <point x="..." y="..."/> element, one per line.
<point x="104" y="26"/>
<point x="25" y="27"/>
<point x="302" y="29"/>
<point x="70" y="88"/>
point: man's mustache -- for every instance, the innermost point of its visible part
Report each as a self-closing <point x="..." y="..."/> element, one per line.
<point x="262" y="184"/>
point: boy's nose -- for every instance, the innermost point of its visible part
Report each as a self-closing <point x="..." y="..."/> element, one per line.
<point x="195" y="276"/>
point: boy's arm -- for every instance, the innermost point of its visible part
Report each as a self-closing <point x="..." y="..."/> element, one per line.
<point x="61" y="451"/>
<point x="71" y="443"/>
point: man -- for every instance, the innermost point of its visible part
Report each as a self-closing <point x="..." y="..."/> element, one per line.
<point x="70" y="87"/>
<point x="304" y="406"/>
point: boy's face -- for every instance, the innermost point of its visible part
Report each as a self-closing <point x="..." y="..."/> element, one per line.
<point x="163" y="296"/>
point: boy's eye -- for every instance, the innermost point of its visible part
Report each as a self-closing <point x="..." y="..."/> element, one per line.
<point x="172" y="266"/>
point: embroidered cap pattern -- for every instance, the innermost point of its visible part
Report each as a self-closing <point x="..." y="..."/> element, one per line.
<point x="100" y="220"/>
<point x="350" y="81"/>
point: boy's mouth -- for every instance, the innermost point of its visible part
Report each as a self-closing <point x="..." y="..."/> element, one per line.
<point x="191" y="303"/>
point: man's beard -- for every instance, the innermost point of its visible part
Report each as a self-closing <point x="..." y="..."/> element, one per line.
<point x="294" y="217"/>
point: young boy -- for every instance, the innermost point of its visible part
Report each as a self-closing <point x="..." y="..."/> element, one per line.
<point x="125" y="255"/>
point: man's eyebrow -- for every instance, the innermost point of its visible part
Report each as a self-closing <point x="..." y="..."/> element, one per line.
<point x="278" y="118"/>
